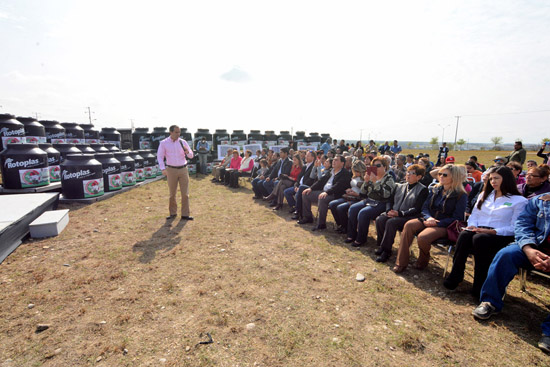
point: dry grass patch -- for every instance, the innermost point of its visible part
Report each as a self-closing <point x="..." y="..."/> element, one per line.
<point x="137" y="290"/>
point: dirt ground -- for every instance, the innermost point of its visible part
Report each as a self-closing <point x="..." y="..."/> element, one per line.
<point x="122" y="287"/>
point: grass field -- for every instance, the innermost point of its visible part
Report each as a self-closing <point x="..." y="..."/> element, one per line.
<point x="121" y="287"/>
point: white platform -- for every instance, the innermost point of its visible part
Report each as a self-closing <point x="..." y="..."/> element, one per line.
<point x="16" y="213"/>
<point x="49" y="224"/>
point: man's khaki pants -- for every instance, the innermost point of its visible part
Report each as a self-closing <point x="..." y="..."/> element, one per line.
<point x="175" y="175"/>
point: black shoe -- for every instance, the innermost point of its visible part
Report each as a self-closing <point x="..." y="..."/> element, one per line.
<point x="383" y="257"/>
<point x="544" y="344"/>
<point x="305" y="221"/>
<point x="186" y="217"/>
<point x="292" y="210"/>
<point x="214" y="180"/>
<point x="341" y="229"/>
<point x="278" y="207"/>
<point x="484" y="311"/>
<point x="295" y="216"/>
<point x="256" y="197"/>
<point x="319" y="227"/>
<point x="272" y="204"/>
<point x="171" y="216"/>
<point x="349" y="240"/>
<point x="450" y="284"/>
<point x="379" y="251"/>
<point x="356" y="244"/>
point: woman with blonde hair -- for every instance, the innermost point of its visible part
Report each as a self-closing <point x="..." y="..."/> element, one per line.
<point x="446" y="203"/>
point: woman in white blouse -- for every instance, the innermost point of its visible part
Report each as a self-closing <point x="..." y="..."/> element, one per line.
<point x="490" y="227"/>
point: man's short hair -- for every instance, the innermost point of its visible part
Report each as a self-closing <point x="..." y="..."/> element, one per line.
<point x="284" y="150"/>
<point x="173" y="127"/>
<point x="341" y="158"/>
<point x="473" y="158"/>
<point x="519" y="143"/>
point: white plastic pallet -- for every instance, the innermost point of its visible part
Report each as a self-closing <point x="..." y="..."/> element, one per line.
<point x="49" y="224"/>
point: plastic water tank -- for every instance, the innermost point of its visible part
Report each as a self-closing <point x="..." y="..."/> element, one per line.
<point x="35" y="133"/>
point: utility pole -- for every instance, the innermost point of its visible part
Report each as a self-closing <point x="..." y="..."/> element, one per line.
<point x="90" y="115"/>
<point x="36" y="115"/>
<point x="456" y="131"/>
<point x="132" y="124"/>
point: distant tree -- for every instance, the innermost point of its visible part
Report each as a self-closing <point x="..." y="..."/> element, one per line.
<point x="433" y="142"/>
<point x="496" y="140"/>
<point x="409" y="145"/>
<point x="460" y="143"/>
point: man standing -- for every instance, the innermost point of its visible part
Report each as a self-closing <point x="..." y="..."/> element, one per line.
<point x="530" y="251"/>
<point x="396" y="148"/>
<point x="443" y="151"/>
<point x="175" y="151"/>
<point x="331" y="186"/>
<point x="519" y="154"/>
<point x="203" y="148"/>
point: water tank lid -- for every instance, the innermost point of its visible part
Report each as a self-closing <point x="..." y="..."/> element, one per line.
<point x="284" y="132"/>
<point x="254" y="131"/>
<point x="269" y="132"/>
<point x="300" y="133"/>
<point x="159" y="128"/>
<point x="313" y="134"/>
<point x="25" y="119"/>
<point x="238" y="131"/>
<point x="220" y="131"/>
<point x="6" y="116"/>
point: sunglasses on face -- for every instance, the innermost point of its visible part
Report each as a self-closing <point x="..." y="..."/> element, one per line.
<point x="443" y="174"/>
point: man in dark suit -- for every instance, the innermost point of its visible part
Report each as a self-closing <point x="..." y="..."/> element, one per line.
<point x="283" y="166"/>
<point x="331" y="186"/>
<point x="293" y="194"/>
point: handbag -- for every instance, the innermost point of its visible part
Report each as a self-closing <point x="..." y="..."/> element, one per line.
<point x="454" y="229"/>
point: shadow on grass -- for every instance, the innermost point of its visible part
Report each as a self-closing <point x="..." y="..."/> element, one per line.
<point x="165" y="238"/>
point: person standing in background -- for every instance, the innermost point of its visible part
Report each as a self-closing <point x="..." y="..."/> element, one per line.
<point x="203" y="148"/>
<point x="176" y="151"/>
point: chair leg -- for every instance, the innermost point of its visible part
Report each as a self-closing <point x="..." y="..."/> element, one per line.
<point x="448" y="258"/>
<point x="522" y="279"/>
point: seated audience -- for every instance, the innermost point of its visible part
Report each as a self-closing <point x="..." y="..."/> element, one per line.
<point x="339" y="207"/>
<point x="529" y="251"/>
<point x="531" y="163"/>
<point x="331" y="186"/>
<point x="516" y="170"/>
<point x="405" y="204"/>
<point x="399" y="168"/>
<point x="258" y="182"/>
<point x="282" y="167"/>
<point x="472" y="171"/>
<point x="245" y="168"/>
<point x="480" y="166"/>
<point x="536" y="182"/>
<point x="219" y="170"/>
<point x="375" y="192"/>
<point x="285" y="181"/>
<point x="427" y="179"/>
<point x="293" y="194"/>
<point x="233" y="166"/>
<point x="446" y="203"/>
<point x="490" y="228"/>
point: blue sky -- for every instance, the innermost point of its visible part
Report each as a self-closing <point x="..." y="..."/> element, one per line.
<point x="395" y="69"/>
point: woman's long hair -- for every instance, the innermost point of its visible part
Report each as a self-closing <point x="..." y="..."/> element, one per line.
<point x="508" y="187"/>
<point x="458" y="176"/>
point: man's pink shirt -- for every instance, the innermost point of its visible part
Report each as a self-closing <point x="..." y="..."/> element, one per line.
<point x="173" y="152"/>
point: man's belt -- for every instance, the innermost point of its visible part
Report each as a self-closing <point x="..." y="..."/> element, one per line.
<point x="177" y="167"/>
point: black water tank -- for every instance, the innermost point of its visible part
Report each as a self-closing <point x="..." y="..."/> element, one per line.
<point x="149" y="163"/>
<point x="99" y="148"/>
<point x="65" y="149"/>
<point x="81" y="177"/>
<point x="221" y="137"/>
<point x="138" y="159"/>
<point x="111" y="147"/>
<point x="91" y="135"/>
<point x="255" y="137"/>
<point x="55" y="133"/>
<point x="158" y="134"/>
<point x="127" y="169"/>
<point x="74" y="134"/>
<point x="11" y="130"/>
<point x="109" y="135"/>
<point x="270" y="138"/>
<point x="112" y="181"/>
<point x="238" y="138"/>
<point x="85" y="148"/>
<point x="24" y="166"/>
<point x="35" y="133"/>
<point x="187" y="136"/>
<point x="300" y="139"/>
<point x="284" y="138"/>
<point x="315" y="140"/>
<point x="141" y="138"/>
<point x="54" y="161"/>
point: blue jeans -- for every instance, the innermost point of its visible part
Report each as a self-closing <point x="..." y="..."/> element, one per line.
<point x="258" y="187"/>
<point x="269" y="186"/>
<point x="289" y="194"/>
<point x="359" y="216"/>
<point x="339" y="209"/>
<point x="504" y="267"/>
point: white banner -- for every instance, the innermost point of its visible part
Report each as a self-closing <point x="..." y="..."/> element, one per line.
<point x="307" y="147"/>
<point x="222" y="150"/>
<point x="253" y="148"/>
